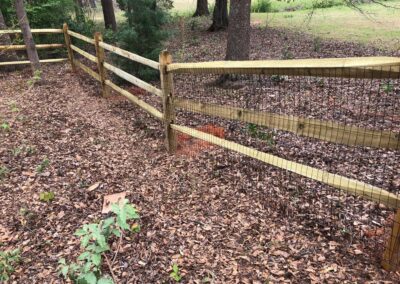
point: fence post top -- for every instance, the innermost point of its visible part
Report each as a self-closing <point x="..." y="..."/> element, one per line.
<point x="165" y="57"/>
<point x="98" y="36"/>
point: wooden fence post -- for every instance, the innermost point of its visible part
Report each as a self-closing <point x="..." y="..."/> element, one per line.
<point x="68" y="45"/>
<point x="391" y="256"/>
<point x="167" y="86"/>
<point x="100" y="64"/>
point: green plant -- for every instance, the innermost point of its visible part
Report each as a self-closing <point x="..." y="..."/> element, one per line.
<point x="175" y="274"/>
<point x="5" y="126"/>
<point x="321" y="4"/>
<point x="261" y="6"/>
<point x="95" y="239"/>
<point x="16" y="151"/>
<point x="46" y="196"/>
<point x="387" y="87"/>
<point x="14" y="107"/>
<point x="142" y="34"/>
<point x="3" y="172"/>
<point x="37" y="76"/>
<point x="255" y="132"/>
<point x="7" y="261"/>
<point x="43" y="165"/>
<point x="30" y="150"/>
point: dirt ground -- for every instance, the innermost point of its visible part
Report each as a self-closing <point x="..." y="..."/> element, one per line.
<point x="223" y="218"/>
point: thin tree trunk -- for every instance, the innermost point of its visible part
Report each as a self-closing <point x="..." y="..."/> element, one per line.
<point x="201" y="8"/>
<point x="27" y="34"/>
<point x="220" y="16"/>
<point x="6" y="40"/>
<point x="238" y="46"/>
<point x="109" y="15"/>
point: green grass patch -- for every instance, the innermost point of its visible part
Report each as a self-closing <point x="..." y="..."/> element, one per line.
<point x="376" y="25"/>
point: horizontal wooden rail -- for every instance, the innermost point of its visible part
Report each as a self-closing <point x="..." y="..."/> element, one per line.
<point x="89" y="71"/>
<point x="81" y="37"/>
<point x="132" y="79"/>
<point x="357" y="67"/>
<point x="351" y="186"/>
<point x="34" y="31"/>
<point x="28" y="62"/>
<point x="315" y="128"/>
<point x="38" y="46"/>
<point x="84" y="53"/>
<point x="130" y="55"/>
<point x="142" y="104"/>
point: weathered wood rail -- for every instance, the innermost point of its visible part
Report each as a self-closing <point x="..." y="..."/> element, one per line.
<point x="330" y="131"/>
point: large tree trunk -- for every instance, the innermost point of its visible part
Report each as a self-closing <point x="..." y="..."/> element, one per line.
<point x="109" y="15"/>
<point x="28" y="38"/>
<point x="201" y="8"/>
<point x="220" y="16"/>
<point x="238" y="47"/>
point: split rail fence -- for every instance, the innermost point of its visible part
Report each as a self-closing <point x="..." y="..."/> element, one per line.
<point x="328" y="131"/>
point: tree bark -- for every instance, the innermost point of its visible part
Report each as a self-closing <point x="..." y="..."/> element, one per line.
<point x="238" y="46"/>
<point x="201" y="8"/>
<point x="27" y="34"/>
<point x="220" y="16"/>
<point x="109" y="15"/>
<point x="6" y="40"/>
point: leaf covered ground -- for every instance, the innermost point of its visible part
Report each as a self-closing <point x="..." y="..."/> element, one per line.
<point x="220" y="217"/>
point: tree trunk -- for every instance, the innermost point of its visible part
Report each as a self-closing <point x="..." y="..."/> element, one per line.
<point x="201" y="8"/>
<point x="5" y="40"/>
<point x="109" y="15"/>
<point x="28" y="39"/>
<point x="238" y="47"/>
<point x="220" y="16"/>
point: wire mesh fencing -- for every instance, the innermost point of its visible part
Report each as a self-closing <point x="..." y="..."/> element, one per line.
<point x="320" y="145"/>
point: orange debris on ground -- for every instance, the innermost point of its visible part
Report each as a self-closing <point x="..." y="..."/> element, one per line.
<point x="187" y="145"/>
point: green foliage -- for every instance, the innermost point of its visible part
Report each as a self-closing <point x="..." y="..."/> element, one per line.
<point x="175" y="274"/>
<point x="28" y="150"/>
<point x="141" y="34"/>
<point x="7" y="261"/>
<point x="3" y="172"/>
<point x="255" y="132"/>
<point x="5" y="126"/>
<point x="95" y="238"/>
<point x="43" y="165"/>
<point x="321" y="4"/>
<point x="37" y="76"/>
<point x="86" y="27"/>
<point x="41" y="13"/>
<point x="46" y="196"/>
<point x="261" y="6"/>
<point x="14" y="107"/>
<point x="387" y="87"/>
